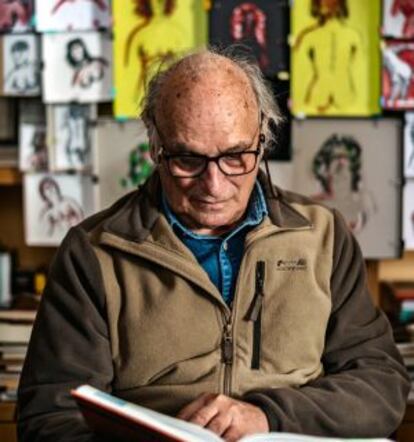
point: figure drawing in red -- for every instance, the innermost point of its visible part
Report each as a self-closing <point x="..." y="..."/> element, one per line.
<point x="100" y="4"/>
<point x="406" y="8"/>
<point x="14" y="12"/>
<point x="248" y="22"/>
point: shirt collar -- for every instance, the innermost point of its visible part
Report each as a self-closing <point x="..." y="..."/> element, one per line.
<point x="256" y="211"/>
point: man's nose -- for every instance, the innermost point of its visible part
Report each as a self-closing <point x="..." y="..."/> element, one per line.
<point x="212" y="178"/>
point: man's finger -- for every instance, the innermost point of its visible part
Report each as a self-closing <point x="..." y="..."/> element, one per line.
<point x="186" y="412"/>
<point x="220" y="423"/>
<point x="203" y="415"/>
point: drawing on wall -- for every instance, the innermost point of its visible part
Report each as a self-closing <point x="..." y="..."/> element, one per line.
<point x="15" y="15"/>
<point x="332" y="163"/>
<point x="70" y="136"/>
<point x="408" y="215"/>
<point x="72" y="15"/>
<point x="334" y="52"/>
<point x="409" y="145"/>
<point x="148" y="34"/>
<point x="140" y="166"/>
<point x="53" y="204"/>
<point x="397" y="74"/>
<point x="33" y="154"/>
<point x="122" y="169"/>
<point x="21" y="67"/>
<point x="398" y="18"/>
<point x="77" y="67"/>
<point x="261" y="25"/>
<point x="337" y="168"/>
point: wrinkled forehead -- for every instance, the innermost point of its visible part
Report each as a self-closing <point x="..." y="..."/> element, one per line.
<point x="218" y="99"/>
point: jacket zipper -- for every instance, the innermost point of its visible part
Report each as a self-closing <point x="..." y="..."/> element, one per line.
<point x="227" y="354"/>
<point x="255" y="314"/>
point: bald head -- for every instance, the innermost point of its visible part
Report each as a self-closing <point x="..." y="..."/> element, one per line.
<point x="210" y="90"/>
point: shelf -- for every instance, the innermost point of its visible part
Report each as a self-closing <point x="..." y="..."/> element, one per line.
<point x="10" y="176"/>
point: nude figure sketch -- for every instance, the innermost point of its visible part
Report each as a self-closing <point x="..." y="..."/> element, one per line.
<point x="337" y="166"/>
<point x="331" y="48"/>
<point x="73" y="130"/>
<point x="24" y="76"/>
<point x="59" y="212"/>
<point x="87" y="69"/>
<point x="147" y="41"/>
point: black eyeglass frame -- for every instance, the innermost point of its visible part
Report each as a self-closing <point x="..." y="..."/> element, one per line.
<point x="168" y="156"/>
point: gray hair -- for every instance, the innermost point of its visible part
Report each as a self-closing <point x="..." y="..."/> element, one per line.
<point x="268" y="108"/>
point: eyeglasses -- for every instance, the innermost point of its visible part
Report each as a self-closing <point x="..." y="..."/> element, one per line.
<point x="190" y="165"/>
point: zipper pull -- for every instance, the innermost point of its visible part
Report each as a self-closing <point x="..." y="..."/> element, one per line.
<point x="259" y="292"/>
<point x="227" y="345"/>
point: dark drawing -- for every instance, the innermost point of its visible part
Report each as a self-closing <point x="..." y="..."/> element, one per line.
<point x="248" y="22"/>
<point x="24" y="77"/>
<point x="87" y="69"/>
<point x="59" y="212"/>
<point x="39" y="158"/>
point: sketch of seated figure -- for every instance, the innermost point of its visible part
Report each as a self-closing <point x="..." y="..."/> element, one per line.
<point x="155" y="40"/>
<point x="23" y="78"/>
<point x="332" y="49"/>
<point x="337" y="167"/>
<point x="59" y="212"/>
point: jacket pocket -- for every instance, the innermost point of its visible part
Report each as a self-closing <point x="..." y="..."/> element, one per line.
<point x="255" y="314"/>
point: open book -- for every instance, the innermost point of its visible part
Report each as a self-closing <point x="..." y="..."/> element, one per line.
<point x="117" y="419"/>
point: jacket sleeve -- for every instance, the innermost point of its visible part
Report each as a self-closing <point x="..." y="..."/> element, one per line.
<point x="364" y="387"/>
<point x="69" y="346"/>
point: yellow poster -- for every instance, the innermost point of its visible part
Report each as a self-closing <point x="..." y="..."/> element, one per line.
<point x="335" y="57"/>
<point x="148" y="33"/>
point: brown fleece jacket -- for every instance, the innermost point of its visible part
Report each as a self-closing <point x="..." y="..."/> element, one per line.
<point x="129" y="310"/>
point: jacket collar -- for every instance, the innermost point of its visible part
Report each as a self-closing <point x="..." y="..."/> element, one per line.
<point x="134" y="216"/>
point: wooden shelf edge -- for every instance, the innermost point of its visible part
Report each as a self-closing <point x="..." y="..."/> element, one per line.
<point x="10" y="176"/>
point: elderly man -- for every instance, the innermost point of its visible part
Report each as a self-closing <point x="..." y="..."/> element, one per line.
<point x="209" y="294"/>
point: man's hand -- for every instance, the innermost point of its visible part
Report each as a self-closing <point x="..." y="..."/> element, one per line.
<point x="229" y="418"/>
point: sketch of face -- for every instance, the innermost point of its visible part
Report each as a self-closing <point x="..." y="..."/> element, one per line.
<point x="77" y="51"/>
<point x="50" y="191"/>
<point x="20" y="53"/>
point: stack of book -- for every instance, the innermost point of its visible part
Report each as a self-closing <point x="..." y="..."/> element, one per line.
<point x="15" y="329"/>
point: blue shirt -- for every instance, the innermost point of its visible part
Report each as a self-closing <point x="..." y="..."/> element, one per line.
<point x="220" y="256"/>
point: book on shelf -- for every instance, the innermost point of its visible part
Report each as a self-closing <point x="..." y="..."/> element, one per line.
<point x="15" y="333"/>
<point x="117" y="419"/>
